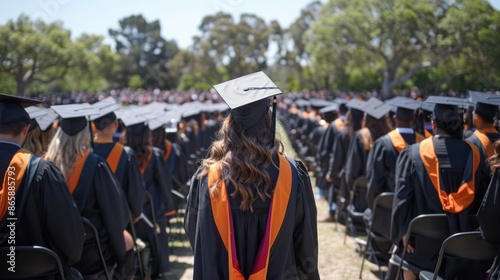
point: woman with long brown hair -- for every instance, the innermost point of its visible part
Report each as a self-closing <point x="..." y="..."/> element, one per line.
<point x="251" y="211"/>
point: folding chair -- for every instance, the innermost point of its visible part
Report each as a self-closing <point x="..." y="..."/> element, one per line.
<point x="378" y="231"/>
<point x="30" y="262"/>
<point x="92" y="231"/>
<point x="465" y="245"/>
<point x="356" y="204"/>
<point x="429" y="231"/>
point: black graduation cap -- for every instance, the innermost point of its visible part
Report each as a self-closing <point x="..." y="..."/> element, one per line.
<point x="486" y="103"/>
<point x="356" y="104"/>
<point x="46" y="121"/>
<point x="247" y="97"/>
<point x="376" y="108"/>
<point x="446" y="108"/>
<point x="12" y="108"/>
<point x="331" y="108"/>
<point x="74" y="117"/>
<point x="405" y="107"/>
<point x="342" y="104"/>
<point x="106" y="115"/>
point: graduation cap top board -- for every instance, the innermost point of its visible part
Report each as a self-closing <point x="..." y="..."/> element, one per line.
<point x="486" y="104"/>
<point x="405" y="107"/>
<point x="106" y="113"/>
<point x="446" y="108"/>
<point x="12" y="109"/>
<point x="376" y="108"/>
<point x="248" y="97"/>
<point x="74" y="117"/>
<point x="135" y="120"/>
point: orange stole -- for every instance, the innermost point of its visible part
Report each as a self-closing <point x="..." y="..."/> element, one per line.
<point x="457" y="201"/>
<point x="13" y="177"/>
<point x="221" y="210"/>
<point x="427" y="133"/>
<point x="76" y="171"/>
<point x="399" y="142"/>
<point x="485" y="141"/>
<point x="144" y="164"/>
<point x="114" y="157"/>
<point x="168" y="149"/>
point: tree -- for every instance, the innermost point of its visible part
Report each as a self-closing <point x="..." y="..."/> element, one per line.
<point x="144" y="51"/>
<point x="398" y="37"/>
<point x="35" y="51"/>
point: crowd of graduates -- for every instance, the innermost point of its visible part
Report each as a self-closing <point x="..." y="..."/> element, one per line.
<point x="128" y="169"/>
<point x="432" y="157"/>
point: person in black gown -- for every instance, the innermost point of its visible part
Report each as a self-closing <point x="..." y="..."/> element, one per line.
<point x="93" y="186"/>
<point x="45" y="211"/>
<point x="248" y="187"/>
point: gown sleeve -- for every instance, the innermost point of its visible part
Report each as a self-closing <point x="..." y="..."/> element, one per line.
<point x="376" y="171"/>
<point x="113" y="208"/>
<point x="164" y="181"/>
<point x="60" y="209"/>
<point x="134" y="185"/>
<point x="354" y="164"/>
<point x="305" y="232"/>
<point x="403" y="195"/>
<point x="191" y="216"/>
<point x="489" y="211"/>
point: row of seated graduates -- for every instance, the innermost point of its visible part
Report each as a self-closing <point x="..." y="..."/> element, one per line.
<point x="349" y="160"/>
<point x="180" y="173"/>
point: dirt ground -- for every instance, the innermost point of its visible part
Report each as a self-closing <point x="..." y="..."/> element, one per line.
<point x="336" y="259"/>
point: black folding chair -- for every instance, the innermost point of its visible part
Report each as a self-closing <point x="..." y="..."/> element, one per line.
<point x="90" y="229"/>
<point x="30" y="262"/>
<point x="428" y="231"/>
<point x="465" y="245"/>
<point x="378" y="231"/>
<point x="355" y="210"/>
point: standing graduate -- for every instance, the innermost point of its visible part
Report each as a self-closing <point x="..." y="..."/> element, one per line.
<point x="484" y="114"/>
<point x="438" y="175"/>
<point x="124" y="165"/>
<point x="45" y="212"/>
<point x="158" y="204"/>
<point x="93" y="186"/>
<point x="251" y="211"/>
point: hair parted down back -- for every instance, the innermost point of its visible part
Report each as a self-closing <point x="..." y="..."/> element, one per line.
<point x="140" y="143"/>
<point x="242" y="157"/>
<point x="64" y="149"/>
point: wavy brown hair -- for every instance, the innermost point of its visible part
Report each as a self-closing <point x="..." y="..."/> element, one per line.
<point x="494" y="160"/>
<point x="372" y="129"/>
<point x="139" y="142"/>
<point x="242" y="156"/>
<point x="33" y="141"/>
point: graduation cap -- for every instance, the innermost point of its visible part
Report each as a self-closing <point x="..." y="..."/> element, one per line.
<point x="46" y="121"/>
<point x="247" y="97"/>
<point x="135" y="120"/>
<point x="74" y="117"/>
<point x="106" y="115"/>
<point x="446" y="108"/>
<point x="12" y="109"/>
<point x="331" y="108"/>
<point x="356" y="104"/>
<point x="486" y="103"/>
<point x="376" y="108"/>
<point x="405" y="107"/>
<point x="342" y="104"/>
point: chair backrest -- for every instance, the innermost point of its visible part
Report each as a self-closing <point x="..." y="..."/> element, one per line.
<point x="358" y="194"/>
<point x="29" y="262"/>
<point x="381" y="222"/>
<point x="90" y="229"/>
<point x="426" y="233"/>
<point x="466" y="245"/>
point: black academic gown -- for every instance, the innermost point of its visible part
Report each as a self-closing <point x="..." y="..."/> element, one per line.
<point x="415" y="194"/>
<point x="488" y="219"/>
<point x="50" y="217"/>
<point x="293" y="254"/>
<point x="483" y="165"/>
<point x="103" y="203"/>
<point x="128" y="175"/>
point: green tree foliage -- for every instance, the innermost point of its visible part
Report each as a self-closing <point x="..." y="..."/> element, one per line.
<point x="135" y="82"/>
<point x="144" y="52"/>
<point x="35" y="51"/>
<point x="398" y="38"/>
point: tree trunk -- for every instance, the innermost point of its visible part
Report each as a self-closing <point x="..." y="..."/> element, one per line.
<point x="387" y="84"/>
<point x="20" y="87"/>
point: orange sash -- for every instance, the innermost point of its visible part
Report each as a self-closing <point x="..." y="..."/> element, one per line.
<point x="485" y="141"/>
<point x="168" y="149"/>
<point x="76" y="171"/>
<point x="339" y="123"/>
<point x="114" y="157"/>
<point x="12" y="179"/>
<point x="221" y="210"/>
<point x="457" y="201"/>
<point x="427" y="133"/>
<point x="399" y="142"/>
<point x="144" y="164"/>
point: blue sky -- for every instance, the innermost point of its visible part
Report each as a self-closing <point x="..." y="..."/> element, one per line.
<point x="179" y="19"/>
